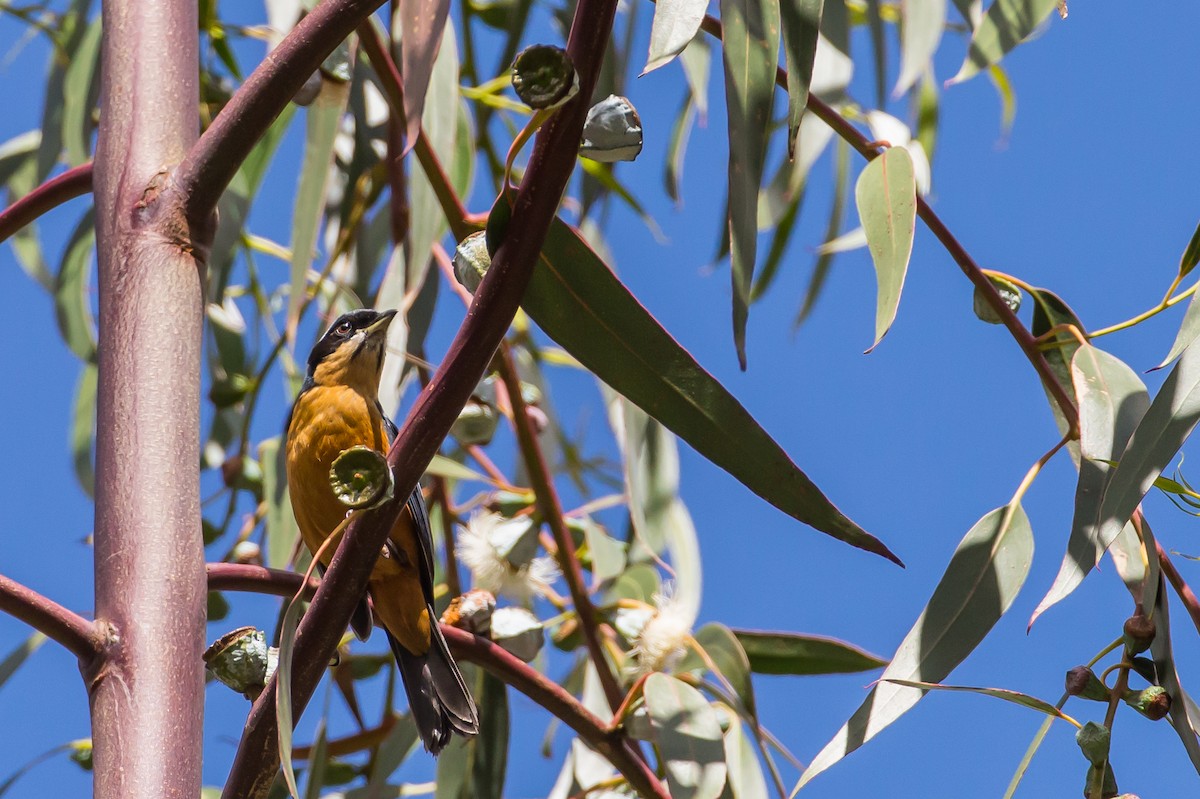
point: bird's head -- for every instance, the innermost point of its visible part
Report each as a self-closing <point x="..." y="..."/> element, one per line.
<point x="351" y="351"/>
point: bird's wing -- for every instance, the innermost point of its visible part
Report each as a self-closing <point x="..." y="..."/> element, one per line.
<point x="420" y="517"/>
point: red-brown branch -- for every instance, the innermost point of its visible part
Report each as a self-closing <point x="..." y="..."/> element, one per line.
<point x="213" y="161"/>
<point x="495" y="304"/>
<point x="54" y="192"/>
<point x="1186" y="595"/>
<point x="966" y="263"/>
<point x="66" y="627"/>
<point x="552" y="514"/>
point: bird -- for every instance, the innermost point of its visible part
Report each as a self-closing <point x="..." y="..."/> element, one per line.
<point x="338" y="408"/>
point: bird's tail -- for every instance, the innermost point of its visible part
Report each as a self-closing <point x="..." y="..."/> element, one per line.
<point x="437" y="696"/>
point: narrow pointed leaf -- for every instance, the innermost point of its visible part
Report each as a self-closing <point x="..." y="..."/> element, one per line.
<point x="983" y="578"/>
<point x="676" y="23"/>
<point x="79" y="95"/>
<point x="724" y="649"/>
<point x="83" y="428"/>
<point x="795" y="653"/>
<point x="1191" y="255"/>
<point x="580" y="304"/>
<point x="1049" y="312"/>
<point x="745" y="779"/>
<point x="72" y="293"/>
<point x="751" y="51"/>
<point x="323" y="120"/>
<point x="801" y="26"/>
<point x="16" y="658"/>
<point x="1188" y="330"/>
<point x="1016" y="697"/>
<point x="886" y="195"/>
<point x="1007" y="24"/>
<point x="921" y="33"/>
<point x="280" y="522"/>
<point x="1166" y="425"/>
<point x="422" y="23"/>
<point x="879" y="49"/>
<point x="1111" y="400"/>
<point x="1185" y="718"/>
<point x="688" y="735"/>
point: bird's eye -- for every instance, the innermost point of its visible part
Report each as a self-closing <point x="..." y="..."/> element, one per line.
<point x="344" y="329"/>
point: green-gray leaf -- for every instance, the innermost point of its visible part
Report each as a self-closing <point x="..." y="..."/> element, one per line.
<point x="794" y="653"/>
<point x="423" y="22"/>
<point x="578" y="302"/>
<point x="72" y="297"/>
<point x="16" y="658"/>
<point x="1188" y="330"/>
<point x="983" y="578"/>
<point x="688" y="735"/>
<point x="922" y="30"/>
<point x="1016" y="697"/>
<point x="676" y="23"/>
<point x="751" y="51"/>
<point x="801" y="24"/>
<point x="83" y="428"/>
<point x="886" y="195"/>
<point x="1111" y="400"/>
<point x="1191" y="255"/>
<point x="1007" y="24"/>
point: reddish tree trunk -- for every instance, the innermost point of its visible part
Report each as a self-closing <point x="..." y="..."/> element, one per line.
<point x="147" y="699"/>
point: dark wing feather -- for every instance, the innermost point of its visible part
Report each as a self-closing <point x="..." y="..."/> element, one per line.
<point x="420" y="516"/>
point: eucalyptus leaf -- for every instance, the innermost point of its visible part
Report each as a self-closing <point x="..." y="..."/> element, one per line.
<point x="80" y="89"/>
<point x="1191" y="255"/>
<point x="688" y="736"/>
<point x="1016" y="697"/>
<point x="1184" y="717"/>
<point x="282" y="531"/>
<point x="1006" y="24"/>
<point x="795" y="653"/>
<point x="801" y="30"/>
<point x="1188" y="330"/>
<point x="886" y="195"/>
<point x="751" y="38"/>
<point x="984" y="576"/>
<point x="1111" y="400"/>
<point x="72" y="293"/>
<point x="920" y="35"/>
<point x="579" y="303"/>
<point x="423" y="23"/>
<point x="83" y="428"/>
<point x="16" y="658"/>
<point x="676" y="22"/>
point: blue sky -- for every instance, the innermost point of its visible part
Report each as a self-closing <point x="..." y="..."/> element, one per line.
<point x="1092" y="194"/>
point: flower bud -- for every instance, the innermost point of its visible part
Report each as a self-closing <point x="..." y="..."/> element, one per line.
<point x="1083" y="682"/>
<point x="1139" y="632"/>
<point x="471" y="612"/>
<point x="518" y="631"/>
<point x="247" y="552"/>
<point x="612" y="131"/>
<point x="1094" y="740"/>
<point x="471" y="260"/>
<point x="1154" y="702"/>
<point x="240" y="660"/>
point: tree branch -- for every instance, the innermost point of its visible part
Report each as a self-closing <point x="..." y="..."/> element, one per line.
<point x="966" y="263"/>
<point x="393" y="89"/>
<point x="494" y="659"/>
<point x="552" y="513"/>
<point x="51" y="194"/>
<point x="1186" y="596"/>
<point x="495" y="304"/>
<point x="66" y="627"/>
<point x="213" y="161"/>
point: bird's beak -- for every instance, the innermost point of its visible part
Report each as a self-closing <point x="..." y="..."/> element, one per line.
<point x="380" y="325"/>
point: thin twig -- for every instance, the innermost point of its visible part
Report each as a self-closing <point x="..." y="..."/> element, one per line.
<point x="965" y="262"/>
<point x="73" y="183"/>
<point x="1186" y="596"/>
<point x="552" y="515"/>
<point x="80" y="636"/>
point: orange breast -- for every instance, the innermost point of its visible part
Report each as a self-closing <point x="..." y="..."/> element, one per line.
<point x="327" y="420"/>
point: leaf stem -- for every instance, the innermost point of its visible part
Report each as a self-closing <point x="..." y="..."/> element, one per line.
<point x="1167" y="302"/>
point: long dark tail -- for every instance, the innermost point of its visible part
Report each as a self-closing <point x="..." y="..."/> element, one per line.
<point x="437" y="695"/>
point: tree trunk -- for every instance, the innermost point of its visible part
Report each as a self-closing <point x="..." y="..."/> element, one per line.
<point x="147" y="696"/>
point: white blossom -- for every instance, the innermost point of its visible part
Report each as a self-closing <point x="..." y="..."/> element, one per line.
<point x="664" y="638"/>
<point x="487" y="546"/>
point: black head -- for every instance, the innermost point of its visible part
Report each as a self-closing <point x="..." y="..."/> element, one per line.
<point x="347" y="330"/>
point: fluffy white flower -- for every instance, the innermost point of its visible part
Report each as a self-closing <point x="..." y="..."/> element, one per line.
<point x="664" y="638"/>
<point x="498" y="551"/>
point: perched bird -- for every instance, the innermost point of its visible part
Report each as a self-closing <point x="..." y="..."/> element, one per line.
<point x="338" y="408"/>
